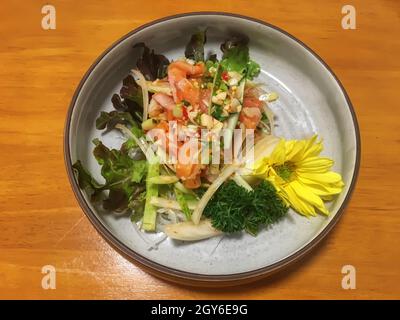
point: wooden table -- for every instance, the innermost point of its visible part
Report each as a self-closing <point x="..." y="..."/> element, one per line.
<point x="41" y="222"/>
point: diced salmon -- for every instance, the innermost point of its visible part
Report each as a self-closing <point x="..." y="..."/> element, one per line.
<point x="250" y="117"/>
<point x="182" y="87"/>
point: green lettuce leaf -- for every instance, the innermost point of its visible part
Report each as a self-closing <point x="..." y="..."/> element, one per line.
<point x="153" y="66"/>
<point x="236" y="57"/>
<point x="195" y="48"/>
<point x="253" y="70"/>
<point x="130" y="90"/>
<point x="85" y="180"/>
<point x="118" y="168"/>
<point x="110" y="119"/>
<point x="124" y="177"/>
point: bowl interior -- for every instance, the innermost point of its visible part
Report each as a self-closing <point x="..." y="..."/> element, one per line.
<point x="311" y="101"/>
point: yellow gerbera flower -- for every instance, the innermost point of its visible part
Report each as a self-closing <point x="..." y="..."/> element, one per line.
<point x="302" y="178"/>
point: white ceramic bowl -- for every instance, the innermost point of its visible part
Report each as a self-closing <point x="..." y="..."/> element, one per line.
<point x="312" y="100"/>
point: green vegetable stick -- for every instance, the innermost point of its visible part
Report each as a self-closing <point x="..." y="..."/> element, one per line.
<point x="150" y="214"/>
<point x="183" y="204"/>
<point x="232" y="121"/>
<point x="163" y="179"/>
<point x="178" y="185"/>
<point x="228" y="133"/>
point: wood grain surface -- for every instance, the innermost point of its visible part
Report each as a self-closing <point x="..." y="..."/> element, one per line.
<point x="41" y="222"/>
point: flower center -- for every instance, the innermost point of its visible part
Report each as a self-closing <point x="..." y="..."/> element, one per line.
<point x="285" y="170"/>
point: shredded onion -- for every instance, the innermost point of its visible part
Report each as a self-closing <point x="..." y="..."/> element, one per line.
<point x="188" y="231"/>
<point x="225" y="174"/>
<point x="262" y="148"/>
<point x="143" y="145"/>
<point x="267" y="111"/>
<point x="240" y="90"/>
<point x="169" y="204"/>
<point x="159" y="86"/>
<point x="241" y="182"/>
<point x="141" y="81"/>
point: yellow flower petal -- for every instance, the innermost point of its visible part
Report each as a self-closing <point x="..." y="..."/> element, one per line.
<point x="278" y="156"/>
<point x="313" y="148"/>
<point x="296" y="152"/>
<point x="320" y="189"/>
<point x="260" y="167"/>
<point x="315" y="164"/>
<point x="308" y="196"/>
<point x="329" y="177"/>
<point x="297" y="204"/>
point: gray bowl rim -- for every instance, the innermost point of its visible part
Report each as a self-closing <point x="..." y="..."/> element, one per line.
<point x="184" y="276"/>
